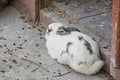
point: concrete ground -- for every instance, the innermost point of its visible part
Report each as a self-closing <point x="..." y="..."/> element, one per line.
<point x="23" y="55"/>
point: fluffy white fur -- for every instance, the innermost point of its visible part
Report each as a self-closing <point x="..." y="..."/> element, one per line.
<point x="79" y="57"/>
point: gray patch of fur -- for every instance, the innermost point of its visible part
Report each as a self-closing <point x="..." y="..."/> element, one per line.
<point x="80" y="38"/>
<point x="67" y="47"/>
<point x="63" y="52"/>
<point x="87" y="44"/>
<point x="81" y="63"/>
<point x="66" y="30"/>
<point x="62" y="31"/>
<point x="71" y="29"/>
<point x="71" y="55"/>
<point x="55" y="59"/>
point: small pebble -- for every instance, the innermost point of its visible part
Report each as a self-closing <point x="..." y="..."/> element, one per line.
<point x="20" y="44"/>
<point x="54" y="72"/>
<point x="19" y="47"/>
<point x="19" y="37"/>
<point x="25" y="40"/>
<point x="40" y="34"/>
<point x="15" y="49"/>
<point x="37" y="45"/>
<point x="14" y="44"/>
<point x="2" y="71"/>
<point x="3" y="76"/>
<point x="1" y="46"/>
<point x="105" y="47"/>
<point x="29" y="27"/>
<point x="39" y="55"/>
<point x="22" y="17"/>
<point x="5" y="52"/>
<point x="100" y="39"/>
<point x="23" y="28"/>
<point x="1" y="29"/>
<point x="59" y="73"/>
<point x="25" y="56"/>
<point x="47" y="78"/>
<point x="11" y="54"/>
<point x="4" y="60"/>
<point x="1" y="38"/>
<point x="14" y="61"/>
<point x="28" y="54"/>
<point x="11" y="51"/>
<point x="40" y="63"/>
<point x="41" y="38"/>
<point x="58" y="70"/>
<point x="4" y="39"/>
<point x="26" y="21"/>
<point x="28" y="65"/>
<point x="10" y="67"/>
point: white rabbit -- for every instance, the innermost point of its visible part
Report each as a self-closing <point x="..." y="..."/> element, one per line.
<point x="71" y="47"/>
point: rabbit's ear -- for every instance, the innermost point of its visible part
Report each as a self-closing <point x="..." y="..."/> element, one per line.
<point x="62" y="31"/>
<point x="71" y="29"/>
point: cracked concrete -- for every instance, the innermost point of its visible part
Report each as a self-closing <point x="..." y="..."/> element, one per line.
<point x="23" y="55"/>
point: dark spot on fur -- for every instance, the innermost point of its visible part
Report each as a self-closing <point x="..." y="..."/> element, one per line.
<point x="49" y="30"/>
<point x="55" y="59"/>
<point x="71" y="29"/>
<point x="71" y="55"/>
<point x="81" y="63"/>
<point x="63" y="52"/>
<point x="67" y="47"/>
<point x="87" y="44"/>
<point x="80" y="38"/>
<point x="62" y="31"/>
<point x="66" y="30"/>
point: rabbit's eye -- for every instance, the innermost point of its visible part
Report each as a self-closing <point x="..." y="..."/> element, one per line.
<point x="49" y="30"/>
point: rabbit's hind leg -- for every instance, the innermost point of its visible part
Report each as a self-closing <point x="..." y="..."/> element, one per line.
<point x="95" y="67"/>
